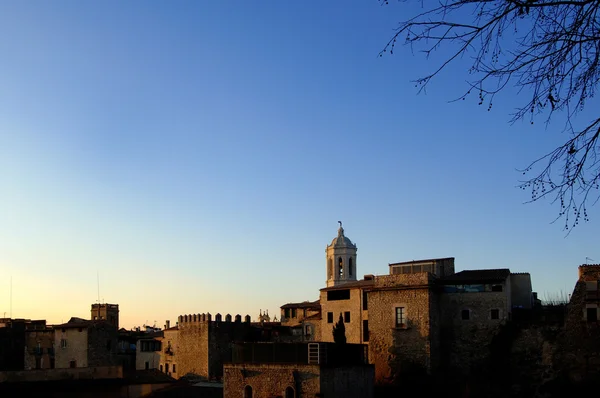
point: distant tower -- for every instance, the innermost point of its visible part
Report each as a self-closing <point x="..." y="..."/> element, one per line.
<point x="341" y="259"/>
<point x="106" y="312"/>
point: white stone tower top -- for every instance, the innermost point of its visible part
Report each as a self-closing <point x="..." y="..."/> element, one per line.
<point x="341" y="259"/>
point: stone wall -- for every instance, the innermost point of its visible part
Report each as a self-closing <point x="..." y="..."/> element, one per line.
<point x="467" y="341"/>
<point x="76" y="347"/>
<point x="169" y="353"/>
<point x="39" y="349"/>
<point x="102" y="344"/>
<point x="91" y="373"/>
<point x="272" y="380"/>
<point x="202" y="343"/>
<point x="151" y="357"/>
<point x="392" y="349"/>
<point x="337" y="307"/>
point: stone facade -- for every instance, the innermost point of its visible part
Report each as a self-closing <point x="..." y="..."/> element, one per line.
<point x="298" y="370"/>
<point x="105" y="312"/>
<point x="148" y="352"/>
<point x="168" y="354"/>
<point x="347" y="300"/>
<point x="297" y="381"/>
<point x="39" y="349"/>
<point x="403" y="324"/>
<point x="80" y="344"/>
<point x="200" y="344"/>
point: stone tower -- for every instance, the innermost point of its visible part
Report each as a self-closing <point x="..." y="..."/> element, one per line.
<point x="341" y="259"/>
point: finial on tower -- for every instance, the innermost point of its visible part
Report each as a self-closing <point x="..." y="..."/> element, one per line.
<point x="340" y="229"/>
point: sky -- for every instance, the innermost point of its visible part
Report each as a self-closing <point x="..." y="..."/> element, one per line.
<point x="193" y="156"/>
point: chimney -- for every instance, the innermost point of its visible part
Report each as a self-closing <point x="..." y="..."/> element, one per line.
<point x="167" y="324"/>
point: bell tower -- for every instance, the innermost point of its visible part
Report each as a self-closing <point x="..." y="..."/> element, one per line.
<point x="341" y="259"/>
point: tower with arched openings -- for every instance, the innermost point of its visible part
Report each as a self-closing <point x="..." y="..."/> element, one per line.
<point x="340" y="259"/>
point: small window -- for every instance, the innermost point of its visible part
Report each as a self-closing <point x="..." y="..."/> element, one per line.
<point x="247" y="392"/>
<point x="465" y="315"/>
<point x="174" y="368"/>
<point x="365" y="330"/>
<point x="147" y="365"/>
<point x="307" y="330"/>
<point x="294" y="313"/>
<point x="330" y="317"/>
<point x="108" y="345"/>
<point x="161" y="368"/>
<point x="365" y="303"/>
<point x="592" y="315"/>
<point x="72" y="364"/>
<point x="166" y="368"/>
<point x="340" y="268"/>
<point x="286" y="313"/>
<point x="496" y="288"/>
<point x="400" y="317"/>
<point x="347" y="317"/>
<point x="63" y="343"/>
<point x="350" y="267"/>
<point x="495" y="313"/>
<point x="80" y="330"/>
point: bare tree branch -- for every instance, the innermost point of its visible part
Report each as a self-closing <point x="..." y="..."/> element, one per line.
<point x="549" y="49"/>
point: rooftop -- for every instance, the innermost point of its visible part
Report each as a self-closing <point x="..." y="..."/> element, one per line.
<point x="478" y="275"/>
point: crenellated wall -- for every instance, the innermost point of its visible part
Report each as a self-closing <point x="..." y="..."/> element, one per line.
<point x="204" y="343"/>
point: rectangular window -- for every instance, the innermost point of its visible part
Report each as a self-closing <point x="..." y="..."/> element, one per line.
<point x="465" y="315"/>
<point x="72" y="364"/>
<point x="365" y="300"/>
<point x="334" y="295"/>
<point x="294" y="313"/>
<point x="592" y="315"/>
<point x="174" y="369"/>
<point x="161" y="368"/>
<point x="63" y="343"/>
<point x="496" y="288"/>
<point x="495" y="313"/>
<point x="365" y="330"/>
<point x="347" y="317"/>
<point x="286" y="313"/>
<point x="147" y="365"/>
<point x="400" y="317"/>
<point x="330" y="317"/>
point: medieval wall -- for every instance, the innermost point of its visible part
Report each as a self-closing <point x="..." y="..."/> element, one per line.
<point x="271" y="380"/>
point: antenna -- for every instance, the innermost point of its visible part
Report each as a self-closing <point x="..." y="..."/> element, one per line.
<point x="587" y="260"/>
<point x="98" y="279"/>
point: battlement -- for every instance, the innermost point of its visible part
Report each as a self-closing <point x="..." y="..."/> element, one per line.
<point x="208" y="318"/>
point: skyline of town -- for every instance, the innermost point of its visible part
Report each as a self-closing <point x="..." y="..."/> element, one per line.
<point x="201" y="166"/>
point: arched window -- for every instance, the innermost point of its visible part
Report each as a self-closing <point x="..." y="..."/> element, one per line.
<point x="289" y="393"/>
<point x="329" y="268"/>
<point x="247" y="392"/>
<point x="350" y="267"/>
<point x="340" y="267"/>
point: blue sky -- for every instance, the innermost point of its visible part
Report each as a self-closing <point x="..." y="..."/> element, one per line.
<point x="198" y="155"/>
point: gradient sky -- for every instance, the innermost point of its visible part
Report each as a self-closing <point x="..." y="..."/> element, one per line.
<point x="197" y="156"/>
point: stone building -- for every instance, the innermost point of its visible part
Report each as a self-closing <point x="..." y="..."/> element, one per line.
<point x="421" y="315"/>
<point x="582" y="326"/>
<point x="13" y="340"/>
<point x="39" y="348"/>
<point x="80" y="343"/>
<point x="304" y="319"/>
<point x="296" y="370"/>
<point x="106" y="312"/>
<point x="199" y="344"/>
